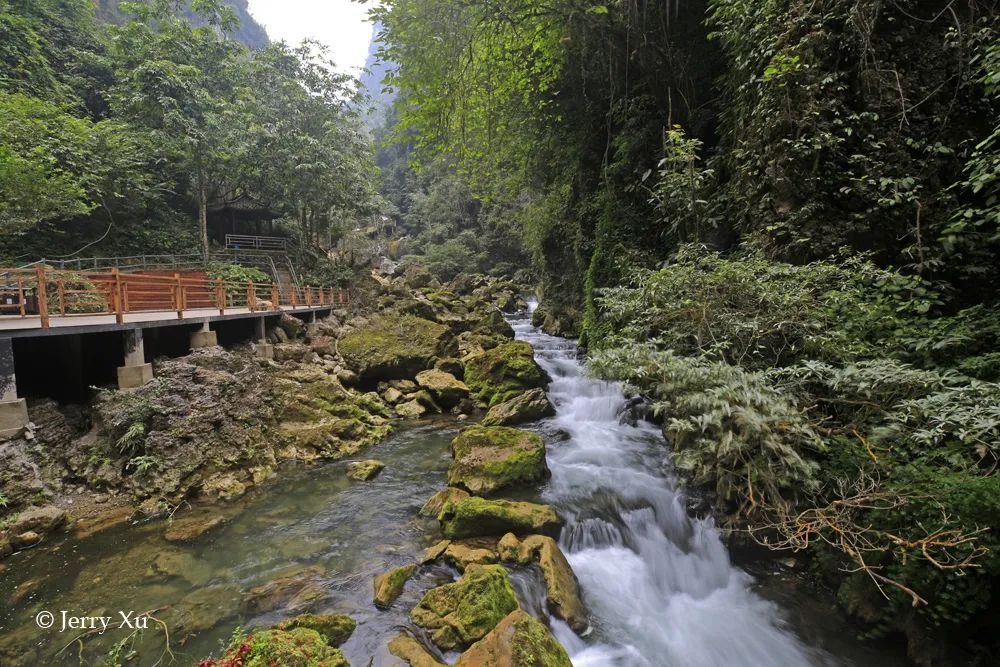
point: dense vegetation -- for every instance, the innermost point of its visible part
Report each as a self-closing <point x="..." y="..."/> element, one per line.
<point x="776" y="220"/>
<point x="118" y="136"/>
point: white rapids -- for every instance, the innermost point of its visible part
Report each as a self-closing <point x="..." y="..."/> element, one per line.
<point x="658" y="584"/>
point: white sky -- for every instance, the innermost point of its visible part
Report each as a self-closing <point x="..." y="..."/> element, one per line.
<point x="340" y="24"/>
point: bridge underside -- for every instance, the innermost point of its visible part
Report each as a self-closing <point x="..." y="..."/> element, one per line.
<point x="78" y="352"/>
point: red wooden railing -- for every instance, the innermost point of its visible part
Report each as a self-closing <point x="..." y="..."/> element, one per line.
<point x="46" y="293"/>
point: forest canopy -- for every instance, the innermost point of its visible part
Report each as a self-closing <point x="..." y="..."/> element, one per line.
<point x="133" y="127"/>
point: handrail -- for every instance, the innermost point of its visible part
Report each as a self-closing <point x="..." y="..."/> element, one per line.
<point x="52" y="293"/>
<point x="241" y="241"/>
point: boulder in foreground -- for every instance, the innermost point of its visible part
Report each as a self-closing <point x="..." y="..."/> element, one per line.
<point x="501" y="373"/>
<point x="527" y="407"/>
<point x="490" y="458"/>
<point x="477" y="517"/>
<point x="563" y="591"/>
<point x="462" y="612"/>
<point x="518" y="640"/>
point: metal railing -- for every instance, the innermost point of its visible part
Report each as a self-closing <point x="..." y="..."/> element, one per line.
<point x="47" y="293"/>
<point x="244" y="242"/>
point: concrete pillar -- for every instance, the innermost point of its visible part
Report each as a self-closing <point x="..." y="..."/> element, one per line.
<point x="261" y="347"/>
<point x="204" y="337"/>
<point x="13" y="410"/>
<point x="136" y="372"/>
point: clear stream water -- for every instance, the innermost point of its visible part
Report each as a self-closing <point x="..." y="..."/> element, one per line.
<point x="658" y="583"/>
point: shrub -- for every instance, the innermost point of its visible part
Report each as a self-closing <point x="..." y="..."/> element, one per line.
<point x="730" y="431"/>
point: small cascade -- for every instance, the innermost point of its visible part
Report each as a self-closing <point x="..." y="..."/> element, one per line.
<point x="659" y="583"/>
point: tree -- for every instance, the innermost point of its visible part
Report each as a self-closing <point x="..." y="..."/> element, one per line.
<point x="185" y="86"/>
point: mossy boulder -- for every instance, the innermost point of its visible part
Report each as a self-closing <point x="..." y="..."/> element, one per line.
<point x="473" y="551"/>
<point x="408" y="649"/>
<point x="334" y="628"/>
<point x="518" y="640"/>
<point x="389" y="586"/>
<point x="447" y="390"/>
<point x="493" y="324"/>
<point x="436" y="502"/>
<point x="451" y="365"/>
<point x="527" y="407"/>
<point x="363" y="471"/>
<point x="298" y="647"/>
<point x="499" y="374"/>
<point x="394" y="346"/>
<point x="320" y="418"/>
<point x="563" y="590"/>
<point x="490" y="458"/>
<point x="477" y="517"/>
<point x="411" y="409"/>
<point x="464" y="611"/>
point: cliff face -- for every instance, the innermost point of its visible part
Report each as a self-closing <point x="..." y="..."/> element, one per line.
<point x="371" y="80"/>
<point x="249" y="32"/>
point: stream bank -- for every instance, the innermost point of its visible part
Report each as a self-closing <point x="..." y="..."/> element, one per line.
<point x="655" y="580"/>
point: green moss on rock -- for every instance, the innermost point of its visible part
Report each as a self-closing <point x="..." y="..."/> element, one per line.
<point x="389" y="586"/>
<point x="395" y="346"/>
<point x="477" y="517"/>
<point x="499" y="374"/>
<point x="522" y="408"/>
<point x="490" y="458"/>
<point x="519" y="640"/>
<point x="334" y="628"/>
<point x="462" y="612"/>
<point x="298" y="647"/>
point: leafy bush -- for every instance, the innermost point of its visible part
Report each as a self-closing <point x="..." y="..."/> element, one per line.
<point x="754" y="312"/>
<point x="730" y="431"/>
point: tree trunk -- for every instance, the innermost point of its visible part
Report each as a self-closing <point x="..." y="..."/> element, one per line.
<point x="203" y="217"/>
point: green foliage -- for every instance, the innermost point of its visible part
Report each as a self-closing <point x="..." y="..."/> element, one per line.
<point x="681" y="187"/>
<point x="822" y="406"/>
<point x="119" y="132"/>
<point x="52" y="164"/>
<point x="751" y="311"/>
<point x="729" y="429"/>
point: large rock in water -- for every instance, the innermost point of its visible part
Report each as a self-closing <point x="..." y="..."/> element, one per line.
<point x="447" y="390"/>
<point x="319" y="418"/>
<point x="527" y="407"/>
<point x="490" y="458"/>
<point x="499" y="374"/>
<point x="563" y="591"/>
<point x="389" y="586"/>
<point x="462" y="612"/>
<point x="518" y="640"/>
<point x="436" y="503"/>
<point x="408" y="649"/>
<point x="478" y="517"/>
<point x="392" y="347"/>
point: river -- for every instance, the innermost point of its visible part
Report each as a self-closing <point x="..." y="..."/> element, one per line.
<point x="658" y="582"/>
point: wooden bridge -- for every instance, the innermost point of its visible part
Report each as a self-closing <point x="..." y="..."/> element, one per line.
<point x="42" y="301"/>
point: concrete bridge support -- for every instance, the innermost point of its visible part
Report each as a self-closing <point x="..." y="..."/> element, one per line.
<point x="13" y="410"/>
<point x="136" y="372"/>
<point x="263" y="349"/>
<point x="204" y="337"/>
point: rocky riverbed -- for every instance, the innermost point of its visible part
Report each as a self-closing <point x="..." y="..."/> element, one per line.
<point x="382" y="494"/>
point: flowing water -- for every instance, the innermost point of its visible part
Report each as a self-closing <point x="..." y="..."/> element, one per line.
<point x="658" y="583"/>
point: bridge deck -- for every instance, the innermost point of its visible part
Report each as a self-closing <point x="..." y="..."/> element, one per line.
<point x="15" y="326"/>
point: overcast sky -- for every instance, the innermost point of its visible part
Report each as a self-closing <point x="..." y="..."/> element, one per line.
<point x="340" y="24"/>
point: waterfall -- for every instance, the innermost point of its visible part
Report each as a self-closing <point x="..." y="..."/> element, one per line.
<point x="658" y="583"/>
